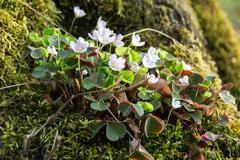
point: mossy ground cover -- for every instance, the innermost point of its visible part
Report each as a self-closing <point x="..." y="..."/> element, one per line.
<point x="24" y="108"/>
<point x="222" y="42"/>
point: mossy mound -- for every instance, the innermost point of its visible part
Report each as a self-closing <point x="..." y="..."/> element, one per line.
<point x="222" y="42"/>
<point x="17" y="19"/>
<point x="171" y="17"/>
<point x="26" y="108"/>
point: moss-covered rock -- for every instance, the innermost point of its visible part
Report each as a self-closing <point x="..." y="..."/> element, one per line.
<point x="27" y="109"/>
<point x="222" y="42"/>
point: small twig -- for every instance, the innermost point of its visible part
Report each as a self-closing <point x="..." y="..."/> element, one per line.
<point x="55" y="146"/>
<point x="128" y="132"/>
<point x="24" y="84"/>
<point x="131" y="87"/>
<point x="27" y="138"/>
<point x="169" y="114"/>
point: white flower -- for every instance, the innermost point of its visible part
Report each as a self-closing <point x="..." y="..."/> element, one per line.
<point x="134" y="66"/>
<point x="103" y="35"/>
<point x="176" y="104"/>
<point x="150" y="58"/>
<point x="115" y="63"/>
<point x="136" y="40"/>
<point x="152" y="79"/>
<point x="184" y="81"/>
<point x="118" y="40"/>
<point x="186" y="67"/>
<point x="80" y="46"/>
<point x="84" y="72"/>
<point x="101" y="23"/>
<point x="52" y="50"/>
<point x="79" y="12"/>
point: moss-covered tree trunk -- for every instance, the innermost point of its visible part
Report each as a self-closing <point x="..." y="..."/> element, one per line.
<point x="174" y="17"/>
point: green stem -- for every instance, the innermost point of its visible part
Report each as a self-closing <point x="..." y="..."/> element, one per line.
<point x="169" y="116"/>
<point x="79" y="65"/>
<point x="156" y="31"/>
<point x="73" y="21"/>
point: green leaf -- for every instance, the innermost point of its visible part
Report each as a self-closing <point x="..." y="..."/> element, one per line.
<point x="96" y="128"/>
<point x="175" y="88"/>
<point x="207" y="94"/>
<point x="139" y="110"/>
<point x="90" y="98"/>
<point x="120" y="51"/>
<point x="143" y="96"/>
<point x="197" y="116"/>
<point x="48" y="31"/>
<point x="134" y="56"/>
<point x="56" y="40"/>
<point x="34" y="37"/>
<point x="206" y="83"/>
<point x="98" y="79"/>
<point x="69" y="64"/>
<point x="125" y="109"/>
<point x="38" y="53"/>
<point x="99" y="106"/>
<point x="153" y="125"/>
<point x="65" y="53"/>
<point x="171" y="78"/>
<point x="39" y="72"/>
<point x="227" y="97"/>
<point x="178" y="67"/>
<point x="42" y="70"/>
<point x="156" y="105"/>
<point x="188" y="107"/>
<point x="146" y="106"/>
<point x="115" y="131"/>
<point x="195" y="79"/>
<point x="142" y="71"/>
<point x="127" y="76"/>
<point x="210" y="78"/>
<point x="87" y="83"/>
<point x="194" y="95"/>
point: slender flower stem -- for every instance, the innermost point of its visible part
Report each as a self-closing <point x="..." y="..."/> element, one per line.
<point x="169" y="116"/>
<point x="154" y="30"/>
<point x="73" y="21"/>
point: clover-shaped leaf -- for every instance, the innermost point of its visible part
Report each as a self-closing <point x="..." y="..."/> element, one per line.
<point x="37" y="53"/>
<point x="153" y="125"/>
<point x="124" y="108"/>
<point x="120" y="51"/>
<point x="100" y="106"/>
<point x="127" y="76"/>
<point x="138" y="109"/>
<point x="146" y="106"/>
<point x="87" y="83"/>
<point x="195" y="78"/>
<point x="115" y="131"/>
<point x="197" y="116"/>
<point x="227" y="97"/>
<point x="96" y="128"/>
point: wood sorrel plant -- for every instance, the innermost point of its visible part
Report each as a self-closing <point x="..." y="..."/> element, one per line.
<point x="128" y="90"/>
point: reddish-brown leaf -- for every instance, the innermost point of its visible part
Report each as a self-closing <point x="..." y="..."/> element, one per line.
<point x="186" y="73"/>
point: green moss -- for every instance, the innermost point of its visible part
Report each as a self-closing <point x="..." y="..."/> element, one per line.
<point x="222" y="42"/>
<point x="26" y="108"/>
<point x="17" y="19"/>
